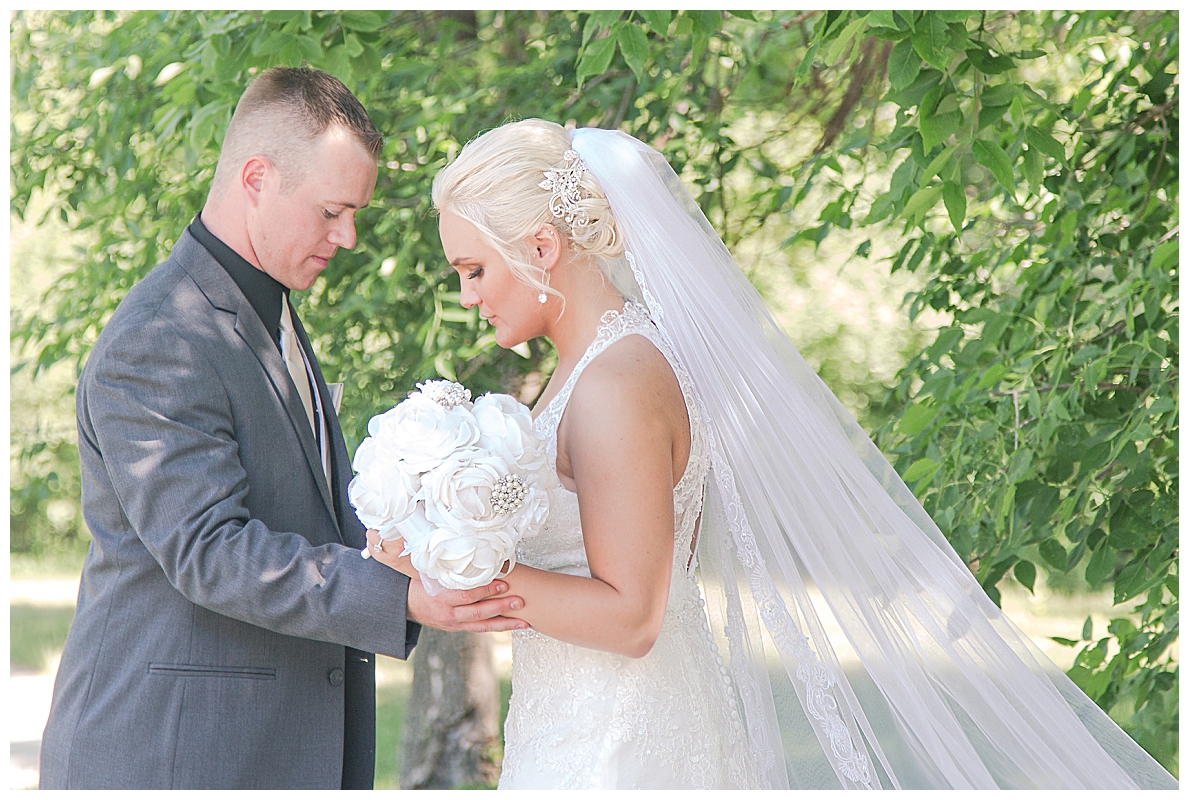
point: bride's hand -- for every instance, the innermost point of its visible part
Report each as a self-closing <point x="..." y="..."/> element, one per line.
<point x="390" y="556"/>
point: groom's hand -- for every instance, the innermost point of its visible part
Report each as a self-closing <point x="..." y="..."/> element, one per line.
<point x="476" y="610"/>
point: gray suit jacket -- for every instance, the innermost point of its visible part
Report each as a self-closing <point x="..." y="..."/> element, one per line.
<point x="224" y="577"/>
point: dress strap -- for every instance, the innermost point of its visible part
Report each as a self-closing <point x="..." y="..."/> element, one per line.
<point x="614" y="325"/>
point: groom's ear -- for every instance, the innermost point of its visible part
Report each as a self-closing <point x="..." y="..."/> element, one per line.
<point x="252" y="178"/>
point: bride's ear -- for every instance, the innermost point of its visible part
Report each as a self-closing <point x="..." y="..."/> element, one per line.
<point x="546" y="245"/>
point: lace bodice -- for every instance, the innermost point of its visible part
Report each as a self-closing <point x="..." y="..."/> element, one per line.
<point x="582" y="718"/>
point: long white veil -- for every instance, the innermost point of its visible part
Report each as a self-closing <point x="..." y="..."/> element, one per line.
<point x="928" y="685"/>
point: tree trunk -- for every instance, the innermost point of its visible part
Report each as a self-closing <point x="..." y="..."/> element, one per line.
<point x="451" y="727"/>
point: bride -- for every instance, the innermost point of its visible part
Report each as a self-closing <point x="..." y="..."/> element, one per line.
<point x="715" y="511"/>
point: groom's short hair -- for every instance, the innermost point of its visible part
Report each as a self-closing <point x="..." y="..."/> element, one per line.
<point x="279" y="116"/>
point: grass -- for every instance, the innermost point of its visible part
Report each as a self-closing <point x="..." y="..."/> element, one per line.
<point x="36" y="634"/>
<point x="391" y="701"/>
<point x="50" y="566"/>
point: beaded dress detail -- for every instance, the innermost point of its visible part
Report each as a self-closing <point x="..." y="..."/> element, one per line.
<point x="582" y="718"/>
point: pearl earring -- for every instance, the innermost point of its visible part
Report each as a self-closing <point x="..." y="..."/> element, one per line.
<point x="541" y="298"/>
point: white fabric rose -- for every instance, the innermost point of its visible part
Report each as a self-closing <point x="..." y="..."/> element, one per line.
<point x="532" y="515"/>
<point x="382" y="493"/>
<point x="415" y="529"/>
<point x="464" y="560"/>
<point x="422" y="433"/>
<point x="457" y="492"/>
<point x="506" y="429"/>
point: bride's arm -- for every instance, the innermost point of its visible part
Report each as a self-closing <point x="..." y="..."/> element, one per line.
<point x="619" y="437"/>
<point x="618" y="440"/>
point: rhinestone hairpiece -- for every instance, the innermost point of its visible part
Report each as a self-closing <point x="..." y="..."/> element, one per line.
<point x="563" y="185"/>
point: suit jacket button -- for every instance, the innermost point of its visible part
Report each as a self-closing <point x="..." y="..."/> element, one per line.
<point x="335" y="677"/>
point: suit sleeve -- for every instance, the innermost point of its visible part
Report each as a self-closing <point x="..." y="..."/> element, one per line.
<point x="160" y="416"/>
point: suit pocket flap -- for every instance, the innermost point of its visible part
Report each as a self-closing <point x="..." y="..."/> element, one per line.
<point x="205" y="671"/>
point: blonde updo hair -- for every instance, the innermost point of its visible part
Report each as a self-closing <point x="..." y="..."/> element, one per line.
<point x="494" y="185"/>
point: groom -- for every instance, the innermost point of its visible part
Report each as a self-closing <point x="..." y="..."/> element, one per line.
<point x="226" y="623"/>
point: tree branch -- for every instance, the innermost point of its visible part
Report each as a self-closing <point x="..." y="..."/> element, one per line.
<point x="797" y="20"/>
<point x="623" y="103"/>
<point x="862" y="73"/>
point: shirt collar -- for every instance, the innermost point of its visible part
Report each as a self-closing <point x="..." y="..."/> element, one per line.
<point x="264" y="293"/>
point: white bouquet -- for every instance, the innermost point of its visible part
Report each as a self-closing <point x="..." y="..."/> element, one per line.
<point x="460" y="482"/>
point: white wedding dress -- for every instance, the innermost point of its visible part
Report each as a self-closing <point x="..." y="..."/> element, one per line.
<point x="582" y="718"/>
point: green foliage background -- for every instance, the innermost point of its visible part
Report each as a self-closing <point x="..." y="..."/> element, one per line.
<point x="1021" y="166"/>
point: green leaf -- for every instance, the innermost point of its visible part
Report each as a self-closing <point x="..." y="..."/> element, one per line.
<point x="633" y="43"/>
<point x="366" y="21"/>
<point x="1101" y="566"/>
<point x="1046" y="144"/>
<point x="366" y="62"/>
<point x="905" y="19"/>
<point x="916" y="418"/>
<point x="1165" y="256"/>
<point x="881" y="207"/>
<point x="984" y="62"/>
<point x="658" y="21"/>
<point x="937" y="127"/>
<point x="310" y="49"/>
<point x="992" y="156"/>
<point x="1025" y="572"/>
<point x="936" y="164"/>
<point x="916" y="91"/>
<point x="930" y="38"/>
<point x="597" y="21"/>
<point x="1001" y="94"/>
<point x="1087" y="629"/>
<point x="274" y="42"/>
<point x="920" y="203"/>
<point x="881" y="19"/>
<point x="954" y="196"/>
<point x="1124" y="538"/>
<point x="946" y="340"/>
<point x="993" y="375"/>
<point x="922" y="469"/>
<point x="1063" y="641"/>
<point x="1033" y="169"/>
<point x="904" y="64"/>
<point x="708" y="22"/>
<point x="352" y="44"/>
<point x="701" y="40"/>
<point x="596" y="58"/>
<point x="1019" y="464"/>
<point x="1053" y="553"/>
<point x="852" y="30"/>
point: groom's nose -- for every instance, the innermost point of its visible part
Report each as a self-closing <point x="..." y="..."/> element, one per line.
<point x="343" y="234"/>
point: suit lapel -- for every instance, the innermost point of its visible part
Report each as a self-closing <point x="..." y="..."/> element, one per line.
<point x="223" y="293"/>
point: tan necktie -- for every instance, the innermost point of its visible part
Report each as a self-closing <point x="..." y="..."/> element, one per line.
<point x="291" y="352"/>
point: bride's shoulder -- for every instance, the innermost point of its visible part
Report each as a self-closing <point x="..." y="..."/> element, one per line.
<point x="631" y="378"/>
<point x="626" y="407"/>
